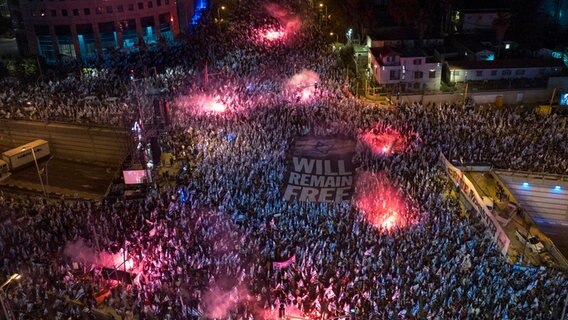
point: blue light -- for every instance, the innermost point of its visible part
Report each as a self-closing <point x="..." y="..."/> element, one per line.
<point x="525" y="184"/>
<point x="200" y="6"/>
<point x="557" y="188"/>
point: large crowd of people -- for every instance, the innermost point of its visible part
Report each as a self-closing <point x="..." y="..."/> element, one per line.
<point x="207" y="247"/>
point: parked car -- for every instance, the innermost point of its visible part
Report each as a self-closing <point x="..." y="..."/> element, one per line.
<point x="532" y="242"/>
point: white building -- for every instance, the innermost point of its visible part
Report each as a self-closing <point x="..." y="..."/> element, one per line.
<point x="478" y="15"/>
<point x="492" y="70"/>
<point x="405" y="69"/>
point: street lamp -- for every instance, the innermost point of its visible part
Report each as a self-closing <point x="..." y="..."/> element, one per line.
<point x="322" y="5"/>
<point x="336" y="36"/>
<point x="219" y="12"/>
<point x="8" y="314"/>
<point x="47" y="178"/>
<point x="37" y="168"/>
<point x="13" y="277"/>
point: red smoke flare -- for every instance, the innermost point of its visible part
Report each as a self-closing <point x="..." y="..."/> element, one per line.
<point x="379" y="201"/>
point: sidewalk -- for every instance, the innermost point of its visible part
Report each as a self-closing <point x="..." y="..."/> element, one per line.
<point x="486" y="185"/>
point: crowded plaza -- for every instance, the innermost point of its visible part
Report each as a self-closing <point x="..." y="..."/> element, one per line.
<point x="229" y="242"/>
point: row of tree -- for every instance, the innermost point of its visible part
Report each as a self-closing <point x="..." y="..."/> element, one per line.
<point x="525" y="23"/>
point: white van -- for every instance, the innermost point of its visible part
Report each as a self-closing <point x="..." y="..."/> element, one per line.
<point x="532" y="242"/>
<point x="4" y="169"/>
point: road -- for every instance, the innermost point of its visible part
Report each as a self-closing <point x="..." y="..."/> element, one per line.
<point x="65" y="177"/>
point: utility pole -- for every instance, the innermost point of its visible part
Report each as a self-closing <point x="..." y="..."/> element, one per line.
<point x="206" y="74"/>
<point x="552" y="97"/>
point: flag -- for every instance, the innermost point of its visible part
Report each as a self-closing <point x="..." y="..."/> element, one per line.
<point x="284" y="264"/>
<point x="329" y="292"/>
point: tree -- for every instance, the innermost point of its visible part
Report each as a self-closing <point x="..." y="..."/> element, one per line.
<point x="6" y="26"/>
<point x="422" y="23"/>
<point x="500" y="24"/>
<point x="28" y="67"/>
<point x="445" y="8"/>
<point x="361" y="13"/>
<point x="414" y="13"/>
<point x="403" y="11"/>
<point x="529" y="24"/>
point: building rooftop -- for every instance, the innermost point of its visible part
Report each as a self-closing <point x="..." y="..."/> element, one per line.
<point x="398" y="51"/>
<point x="505" y="64"/>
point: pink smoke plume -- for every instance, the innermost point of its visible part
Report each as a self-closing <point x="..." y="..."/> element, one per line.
<point x="302" y="86"/>
<point x="218" y="303"/>
<point x="292" y="312"/>
<point x="79" y="251"/>
<point x="384" y="141"/>
<point x="379" y="201"/>
<point x="201" y="104"/>
<point x="290" y="22"/>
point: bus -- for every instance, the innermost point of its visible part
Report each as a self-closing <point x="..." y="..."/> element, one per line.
<point x="23" y="155"/>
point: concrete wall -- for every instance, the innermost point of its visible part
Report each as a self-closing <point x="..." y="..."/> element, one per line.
<point x="458" y="74"/>
<point x="509" y="97"/>
<point x="98" y="145"/>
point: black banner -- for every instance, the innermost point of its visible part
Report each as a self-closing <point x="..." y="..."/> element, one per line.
<point x="320" y="169"/>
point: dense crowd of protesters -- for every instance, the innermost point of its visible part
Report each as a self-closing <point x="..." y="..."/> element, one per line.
<point x="206" y="247"/>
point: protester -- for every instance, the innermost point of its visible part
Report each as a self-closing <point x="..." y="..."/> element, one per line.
<point x="208" y="245"/>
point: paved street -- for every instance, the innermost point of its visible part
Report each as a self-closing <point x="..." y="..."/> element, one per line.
<point x="64" y="177"/>
<point x="557" y="233"/>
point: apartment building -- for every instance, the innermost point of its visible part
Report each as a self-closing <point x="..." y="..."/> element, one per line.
<point x="79" y="29"/>
<point x="407" y="70"/>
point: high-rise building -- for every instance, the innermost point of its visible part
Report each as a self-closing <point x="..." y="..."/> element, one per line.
<point x="80" y="29"/>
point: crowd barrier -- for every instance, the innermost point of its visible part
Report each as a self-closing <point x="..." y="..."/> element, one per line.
<point x="497" y="233"/>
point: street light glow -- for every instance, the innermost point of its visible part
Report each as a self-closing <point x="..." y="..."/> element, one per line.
<point x="15" y="276"/>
